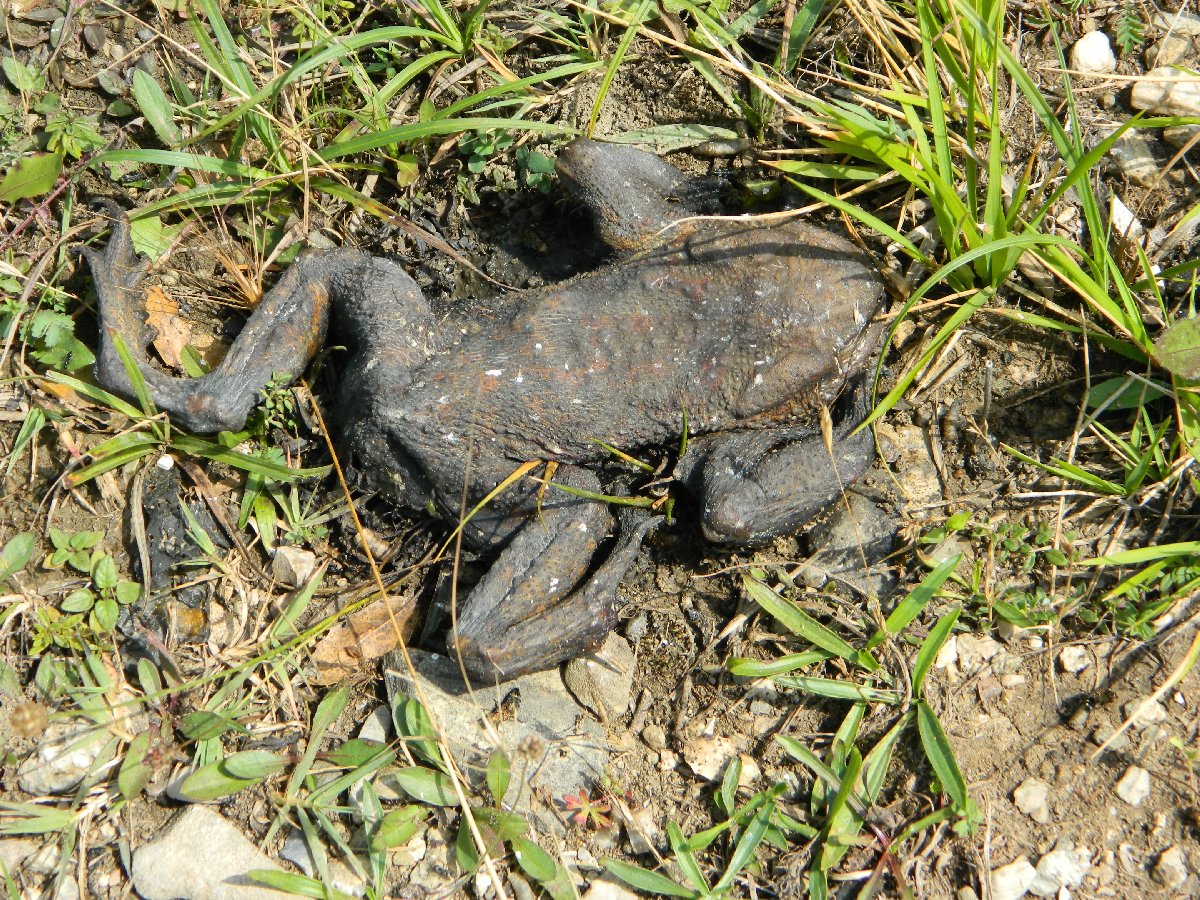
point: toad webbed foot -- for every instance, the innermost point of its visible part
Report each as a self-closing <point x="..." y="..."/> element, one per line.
<point x="538" y="605"/>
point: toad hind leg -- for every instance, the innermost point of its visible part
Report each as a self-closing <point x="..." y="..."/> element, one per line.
<point x="758" y="485"/>
<point x="537" y="607"/>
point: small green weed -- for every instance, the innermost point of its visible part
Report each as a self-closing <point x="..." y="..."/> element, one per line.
<point x="101" y="601"/>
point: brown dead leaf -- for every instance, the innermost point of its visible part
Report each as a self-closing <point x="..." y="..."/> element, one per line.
<point x="366" y="635"/>
<point x="171" y="333"/>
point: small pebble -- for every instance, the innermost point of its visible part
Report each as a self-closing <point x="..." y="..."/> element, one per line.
<point x="1181" y="136"/>
<point x="1171" y="50"/>
<point x="1144" y="714"/>
<point x="1171" y="869"/>
<point x="655" y="737"/>
<point x="1134" y="786"/>
<point x="1074" y="659"/>
<point x="1093" y="54"/>
<point x="1105" y="732"/>
<point x="1032" y="798"/>
<point x="1135" y="157"/>
<point x="1012" y="882"/>
<point x="1062" y="868"/>
<point x="292" y="566"/>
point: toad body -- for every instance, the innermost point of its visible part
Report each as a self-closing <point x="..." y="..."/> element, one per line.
<point x="743" y="330"/>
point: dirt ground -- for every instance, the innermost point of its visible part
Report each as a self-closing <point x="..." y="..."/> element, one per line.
<point x="1024" y="708"/>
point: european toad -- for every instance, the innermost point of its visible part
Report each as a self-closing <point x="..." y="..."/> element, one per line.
<point x="744" y="330"/>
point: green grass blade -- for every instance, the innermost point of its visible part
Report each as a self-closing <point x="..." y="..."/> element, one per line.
<point x="910" y="607"/>
<point x="931" y="646"/>
<point x="803" y="625"/>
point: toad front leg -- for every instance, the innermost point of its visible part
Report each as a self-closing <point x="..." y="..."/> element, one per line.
<point x="537" y="606"/>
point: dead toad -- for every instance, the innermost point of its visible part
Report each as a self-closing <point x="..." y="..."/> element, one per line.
<point x="747" y="329"/>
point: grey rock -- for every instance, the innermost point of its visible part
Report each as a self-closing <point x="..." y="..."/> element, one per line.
<point x="550" y="737"/>
<point x="293" y="566"/>
<point x="1181" y="136"/>
<point x="1105" y="732"/>
<point x="1171" y="50"/>
<point x="1063" y="867"/>
<point x="295" y="850"/>
<point x="1011" y="882"/>
<point x="655" y="736"/>
<point x="1135" y="157"/>
<point x="1168" y="91"/>
<point x="1178" y="23"/>
<point x="1032" y="798"/>
<point x="1144" y="714"/>
<point x="603" y="681"/>
<point x="857" y="531"/>
<point x="1134" y="786"/>
<point x="63" y="757"/>
<point x="14" y="852"/>
<point x="1171" y="869"/>
<point x="976" y="651"/>
<point x="200" y="856"/>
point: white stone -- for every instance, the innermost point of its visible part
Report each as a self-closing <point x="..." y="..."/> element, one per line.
<point x="1171" y="870"/>
<point x="608" y="887"/>
<point x="1093" y="54"/>
<point x="948" y="655"/>
<point x="1074" y="659"/>
<point x="64" y="755"/>
<point x="1125" y="224"/>
<point x="974" y="651"/>
<point x="1063" y="867"/>
<point x="707" y="756"/>
<point x="1031" y="797"/>
<point x="1167" y="91"/>
<point x="1012" y="882"/>
<point x="293" y="566"/>
<point x="1143" y="714"/>
<point x="1134" y="786"/>
<point x="200" y="856"/>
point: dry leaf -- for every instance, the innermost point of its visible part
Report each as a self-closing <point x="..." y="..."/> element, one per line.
<point x="366" y="635"/>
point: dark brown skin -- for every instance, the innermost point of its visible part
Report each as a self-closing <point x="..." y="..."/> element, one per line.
<point x="748" y="329"/>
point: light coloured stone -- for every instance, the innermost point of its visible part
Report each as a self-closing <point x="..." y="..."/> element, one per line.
<point x="1171" y="869"/>
<point x="1181" y="136"/>
<point x="1134" y="786"/>
<point x="1125" y="224"/>
<point x="1171" y="50"/>
<point x="1074" y="659"/>
<point x="65" y="754"/>
<point x="603" y="681"/>
<point x="707" y="756"/>
<point x="1144" y="714"/>
<point x="200" y="856"/>
<point x="293" y="566"/>
<point x="1135" y="157"/>
<point x="1167" y="91"/>
<point x="1063" y="867"/>
<point x="1093" y="54"/>
<point x="1032" y="798"/>
<point x="1177" y="23"/>
<point x="1012" y="882"/>
<point x="948" y="655"/>
<point x="608" y="887"/>
<point x="975" y="651"/>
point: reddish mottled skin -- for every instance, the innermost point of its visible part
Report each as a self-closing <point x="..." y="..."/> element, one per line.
<point x="749" y="329"/>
